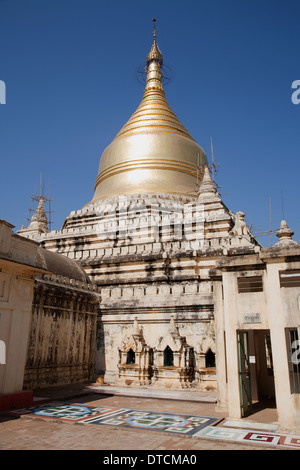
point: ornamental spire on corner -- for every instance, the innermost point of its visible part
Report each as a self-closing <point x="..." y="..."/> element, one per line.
<point x="38" y="223"/>
<point x="207" y="189"/>
<point x="284" y="233"/>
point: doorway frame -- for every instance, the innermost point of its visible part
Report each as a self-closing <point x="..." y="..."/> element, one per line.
<point x="253" y="369"/>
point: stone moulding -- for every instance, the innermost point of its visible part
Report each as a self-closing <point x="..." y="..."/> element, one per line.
<point x="67" y="282"/>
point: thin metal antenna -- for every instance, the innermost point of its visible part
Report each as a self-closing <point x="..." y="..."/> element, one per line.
<point x="198" y="174"/>
<point x="214" y="171"/>
<point x="270" y="231"/>
<point x="49" y="211"/>
<point x="282" y="206"/>
<point x="198" y="171"/>
<point x="270" y="222"/>
<point x="214" y="166"/>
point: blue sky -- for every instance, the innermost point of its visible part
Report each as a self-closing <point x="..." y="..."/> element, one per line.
<point x="70" y="72"/>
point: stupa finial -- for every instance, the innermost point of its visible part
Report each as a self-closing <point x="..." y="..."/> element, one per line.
<point x="154" y="55"/>
<point x="154" y="28"/>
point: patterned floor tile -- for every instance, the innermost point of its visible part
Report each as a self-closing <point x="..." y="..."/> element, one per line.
<point x="196" y="426"/>
<point x="256" y="437"/>
<point x="177" y="423"/>
<point x="167" y="422"/>
<point x="69" y="412"/>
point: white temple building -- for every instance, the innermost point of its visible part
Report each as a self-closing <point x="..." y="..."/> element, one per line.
<point x="187" y="296"/>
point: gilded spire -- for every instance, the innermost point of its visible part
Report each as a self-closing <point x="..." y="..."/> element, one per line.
<point x="154" y="113"/>
<point x="154" y="62"/>
<point x="153" y="152"/>
<point x="154" y="55"/>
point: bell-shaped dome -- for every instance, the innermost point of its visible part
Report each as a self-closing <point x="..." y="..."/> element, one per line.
<point x="153" y="152"/>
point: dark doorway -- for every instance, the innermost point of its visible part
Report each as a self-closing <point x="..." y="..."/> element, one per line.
<point x="168" y="357"/>
<point x="210" y="359"/>
<point x="256" y="375"/>
<point x="130" y="357"/>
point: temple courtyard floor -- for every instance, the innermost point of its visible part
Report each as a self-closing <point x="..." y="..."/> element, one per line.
<point x="117" y="421"/>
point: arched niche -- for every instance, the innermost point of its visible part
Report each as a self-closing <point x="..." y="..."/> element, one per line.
<point x="130" y="359"/>
<point x="173" y="364"/>
<point x="210" y="359"/>
<point x="168" y="357"/>
<point x="135" y="358"/>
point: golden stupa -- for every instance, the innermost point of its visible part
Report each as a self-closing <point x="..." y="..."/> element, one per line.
<point x="153" y="153"/>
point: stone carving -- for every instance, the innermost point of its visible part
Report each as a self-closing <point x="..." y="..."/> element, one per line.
<point x="285" y="235"/>
<point x="180" y="371"/>
<point x="240" y="227"/>
<point x="135" y="366"/>
<point x="203" y="375"/>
